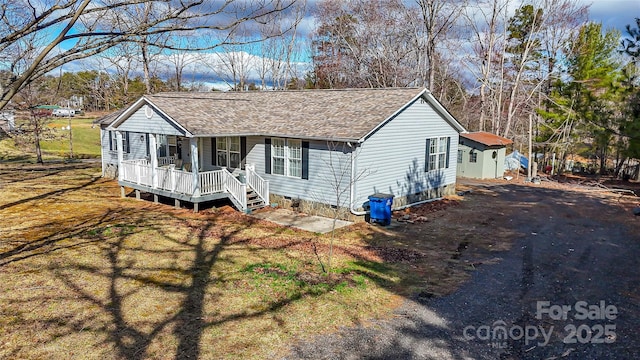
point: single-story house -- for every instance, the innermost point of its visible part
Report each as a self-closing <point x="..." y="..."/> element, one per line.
<point x="481" y="155"/>
<point x="311" y="149"/>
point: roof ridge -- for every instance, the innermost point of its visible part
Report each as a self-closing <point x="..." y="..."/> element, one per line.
<point x="166" y="93"/>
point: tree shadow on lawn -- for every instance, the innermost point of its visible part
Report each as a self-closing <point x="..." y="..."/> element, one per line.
<point x="144" y="279"/>
<point x="102" y="270"/>
<point x="190" y="320"/>
<point x="80" y="273"/>
<point x="50" y="194"/>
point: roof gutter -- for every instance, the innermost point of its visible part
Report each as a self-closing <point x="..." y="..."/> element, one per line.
<point x="317" y="138"/>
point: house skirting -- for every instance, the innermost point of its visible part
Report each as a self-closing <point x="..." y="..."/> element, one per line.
<point x="425" y="195"/>
<point x="110" y="171"/>
<point x="195" y="200"/>
<point x="314" y="208"/>
<point x="326" y="210"/>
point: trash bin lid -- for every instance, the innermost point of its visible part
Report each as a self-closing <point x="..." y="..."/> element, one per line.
<point x="380" y="196"/>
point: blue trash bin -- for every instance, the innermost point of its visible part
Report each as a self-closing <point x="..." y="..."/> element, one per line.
<point x="380" y="208"/>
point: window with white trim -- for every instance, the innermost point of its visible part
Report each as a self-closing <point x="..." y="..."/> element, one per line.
<point x="286" y="157"/>
<point x="228" y="151"/>
<point x="278" y="156"/>
<point x="473" y="156"/>
<point x="437" y="153"/>
<point x="295" y="158"/>
<point x="442" y="152"/>
<point x="114" y="141"/>
<point x="234" y="151"/>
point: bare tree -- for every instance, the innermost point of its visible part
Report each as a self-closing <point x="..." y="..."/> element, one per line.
<point x="178" y="61"/>
<point x="484" y="22"/>
<point x="275" y="67"/>
<point x="96" y="26"/>
<point x="437" y="18"/>
<point x="35" y="129"/>
<point x="233" y="64"/>
<point x="340" y="178"/>
<point x="363" y="44"/>
<point x="534" y="48"/>
<point x="124" y="59"/>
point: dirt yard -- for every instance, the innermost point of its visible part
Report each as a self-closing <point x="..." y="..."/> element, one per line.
<point x="566" y="288"/>
<point x="85" y="274"/>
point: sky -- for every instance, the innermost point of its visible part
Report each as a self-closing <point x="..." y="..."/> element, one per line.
<point x="615" y="14"/>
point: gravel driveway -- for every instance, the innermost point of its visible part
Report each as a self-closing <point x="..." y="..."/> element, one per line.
<point x="567" y="289"/>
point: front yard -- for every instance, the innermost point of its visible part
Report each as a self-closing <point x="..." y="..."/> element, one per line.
<point x="86" y="274"/>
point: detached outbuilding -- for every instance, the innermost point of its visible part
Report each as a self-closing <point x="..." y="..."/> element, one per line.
<point x="481" y="155"/>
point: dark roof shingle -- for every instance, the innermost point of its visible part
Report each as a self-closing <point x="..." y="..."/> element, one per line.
<point x="325" y="114"/>
<point x="487" y="139"/>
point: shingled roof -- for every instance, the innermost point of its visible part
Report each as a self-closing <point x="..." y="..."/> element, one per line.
<point x="323" y="114"/>
<point x="487" y="139"/>
<point x="109" y="118"/>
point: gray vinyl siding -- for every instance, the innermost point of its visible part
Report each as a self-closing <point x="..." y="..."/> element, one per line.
<point x="392" y="160"/>
<point x="157" y="124"/>
<point x="207" y="154"/>
<point x="137" y="147"/>
<point x="108" y="157"/>
<point x="320" y="186"/>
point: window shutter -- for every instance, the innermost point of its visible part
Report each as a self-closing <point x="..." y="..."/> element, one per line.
<point x="128" y="149"/>
<point x="214" y="152"/>
<point x="267" y="155"/>
<point x="448" y="148"/>
<point x="426" y="156"/>
<point x="146" y="138"/>
<point x="110" y="140"/>
<point x="243" y="150"/>
<point x="305" y="160"/>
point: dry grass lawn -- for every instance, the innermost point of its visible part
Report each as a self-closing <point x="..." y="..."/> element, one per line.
<point x="85" y="274"/>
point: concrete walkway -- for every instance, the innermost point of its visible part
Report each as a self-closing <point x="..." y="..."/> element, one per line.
<point x="316" y="224"/>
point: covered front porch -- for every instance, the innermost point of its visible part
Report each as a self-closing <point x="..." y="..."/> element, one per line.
<point x="170" y="177"/>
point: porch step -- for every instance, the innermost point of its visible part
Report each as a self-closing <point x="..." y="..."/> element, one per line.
<point x="254" y="201"/>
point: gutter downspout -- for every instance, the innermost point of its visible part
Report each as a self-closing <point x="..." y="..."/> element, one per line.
<point x="352" y="184"/>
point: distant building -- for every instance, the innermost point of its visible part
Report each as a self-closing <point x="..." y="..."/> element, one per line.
<point x="8" y="119"/>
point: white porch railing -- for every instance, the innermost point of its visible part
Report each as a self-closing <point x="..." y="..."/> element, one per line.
<point x="178" y="181"/>
<point x="137" y="171"/>
<point x="237" y="189"/>
<point x="211" y="182"/>
<point x="257" y="183"/>
<point x="173" y="180"/>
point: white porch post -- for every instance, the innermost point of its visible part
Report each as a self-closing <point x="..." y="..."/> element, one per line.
<point x="120" y="155"/>
<point x="193" y="142"/>
<point x="153" y="155"/>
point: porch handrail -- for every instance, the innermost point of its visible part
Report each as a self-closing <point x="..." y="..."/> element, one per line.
<point x="258" y="184"/>
<point x="211" y="182"/>
<point x="237" y="189"/>
<point x="139" y="172"/>
<point x="173" y="180"/>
